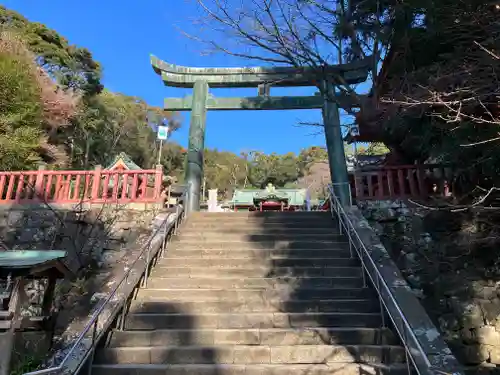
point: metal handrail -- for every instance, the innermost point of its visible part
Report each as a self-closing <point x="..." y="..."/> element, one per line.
<point x="93" y="322"/>
<point x="346" y="224"/>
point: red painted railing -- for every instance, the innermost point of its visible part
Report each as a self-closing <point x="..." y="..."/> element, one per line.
<point x="97" y="186"/>
<point x="143" y="186"/>
<point x="400" y="181"/>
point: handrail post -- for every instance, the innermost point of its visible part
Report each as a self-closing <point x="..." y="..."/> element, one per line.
<point x="148" y="259"/>
<point x="164" y="240"/>
<point x="176" y="220"/>
<point x="92" y="348"/>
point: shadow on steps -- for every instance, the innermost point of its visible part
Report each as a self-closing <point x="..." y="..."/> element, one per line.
<point x="186" y="346"/>
<point x="301" y="262"/>
<point x="275" y="307"/>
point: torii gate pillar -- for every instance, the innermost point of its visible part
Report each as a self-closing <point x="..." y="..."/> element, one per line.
<point x="335" y="147"/>
<point x="194" y="167"/>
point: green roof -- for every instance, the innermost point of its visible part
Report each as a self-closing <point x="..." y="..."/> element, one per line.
<point x="29" y="258"/>
<point x="127" y="160"/>
<point x="245" y="197"/>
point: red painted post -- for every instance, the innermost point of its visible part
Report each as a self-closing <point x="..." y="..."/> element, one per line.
<point x="125" y="188"/>
<point x="390" y="183"/>
<point x="421" y="181"/>
<point x="158" y="181"/>
<point x="380" y="183"/>
<point x="31" y="187"/>
<point x="369" y="179"/>
<point x="105" y="186"/>
<point x="66" y="187"/>
<point x="135" y="186"/>
<point x="39" y="188"/>
<point x="359" y="186"/>
<point x="116" y="181"/>
<point x="57" y="194"/>
<point x="442" y="182"/>
<point x="96" y="183"/>
<point x="144" y="186"/>
<point x="48" y="187"/>
<point x="20" y="186"/>
<point x="411" y="180"/>
<point x="10" y="187"/>
<point x="87" y="186"/>
<point x="401" y="183"/>
<point x="2" y="186"/>
<point x="76" y="193"/>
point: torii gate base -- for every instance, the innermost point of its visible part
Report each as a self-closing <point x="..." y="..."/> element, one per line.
<point x="200" y="79"/>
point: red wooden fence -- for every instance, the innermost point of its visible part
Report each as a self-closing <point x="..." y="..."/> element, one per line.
<point x="143" y="186"/>
<point x="97" y="186"/>
<point x="401" y="181"/>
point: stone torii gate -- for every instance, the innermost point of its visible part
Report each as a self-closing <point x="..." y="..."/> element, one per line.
<point x="200" y="79"/>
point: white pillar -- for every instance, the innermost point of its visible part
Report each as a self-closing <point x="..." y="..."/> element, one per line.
<point x="212" y="200"/>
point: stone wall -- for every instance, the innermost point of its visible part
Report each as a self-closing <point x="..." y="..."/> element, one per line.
<point x="100" y="241"/>
<point x="88" y="234"/>
<point x="458" y="284"/>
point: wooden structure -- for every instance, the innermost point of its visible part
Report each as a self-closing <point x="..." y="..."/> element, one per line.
<point x="400" y="181"/>
<point x="97" y="186"/>
<point x="145" y="186"/>
<point x="123" y="162"/>
<point x="284" y="199"/>
<point x="16" y="269"/>
<point x="272" y="202"/>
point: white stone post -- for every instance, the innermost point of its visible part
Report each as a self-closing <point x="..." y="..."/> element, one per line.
<point x="212" y="200"/>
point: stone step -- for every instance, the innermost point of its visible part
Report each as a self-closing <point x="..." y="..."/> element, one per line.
<point x="258" y="253"/>
<point x="247" y="271"/>
<point x="240" y="354"/>
<point x="320" y="226"/>
<point x="304" y="221"/>
<point x="181" y="243"/>
<point x="335" y="305"/>
<point x="244" y="262"/>
<point x="264" y="216"/>
<point x="271" y="336"/>
<point x="253" y="295"/>
<point x="258" y="238"/>
<point x="219" y="369"/>
<point x="251" y="320"/>
<point x="260" y="235"/>
<point x="253" y="283"/>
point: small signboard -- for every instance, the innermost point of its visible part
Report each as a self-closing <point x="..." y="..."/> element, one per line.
<point x="162" y="133"/>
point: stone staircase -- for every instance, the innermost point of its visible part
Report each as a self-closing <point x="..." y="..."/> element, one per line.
<point x="254" y="294"/>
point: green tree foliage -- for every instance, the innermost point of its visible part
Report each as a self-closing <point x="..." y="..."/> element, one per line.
<point x="21" y="110"/>
<point x="439" y="88"/>
<point x="227" y="171"/>
<point x="109" y="123"/>
<point x="53" y="108"/>
<point x="72" y="66"/>
<point x="373" y="148"/>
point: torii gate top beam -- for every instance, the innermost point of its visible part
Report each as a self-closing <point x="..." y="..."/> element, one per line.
<point x="182" y="76"/>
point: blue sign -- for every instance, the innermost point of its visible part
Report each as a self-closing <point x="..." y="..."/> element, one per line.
<point x="162" y="133"/>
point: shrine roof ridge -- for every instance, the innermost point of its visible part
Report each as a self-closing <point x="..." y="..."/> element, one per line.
<point x="282" y="76"/>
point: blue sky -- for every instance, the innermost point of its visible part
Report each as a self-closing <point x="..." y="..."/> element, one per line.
<point x="122" y="34"/>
